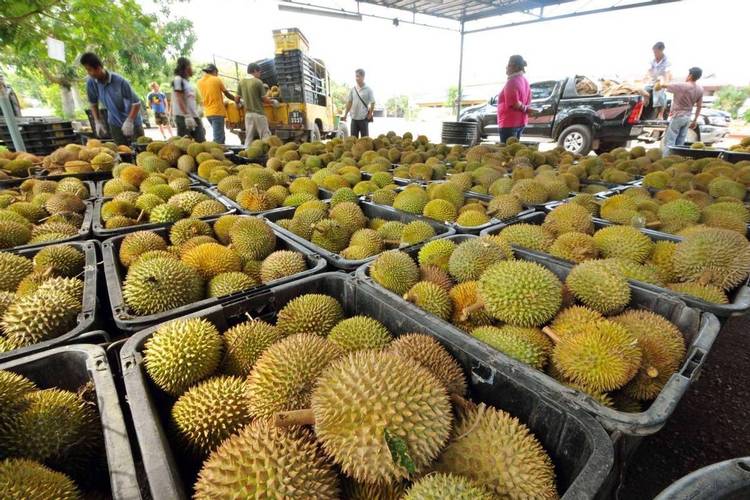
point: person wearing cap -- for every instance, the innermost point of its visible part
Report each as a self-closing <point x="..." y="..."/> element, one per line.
<point x="158" y="103"/>
<point x="513" y="101"/>
<point x="687" y="95"/>
<point x="253" y="94"/>
<point x="659" y="71"/>
<point x="212" y="91"/>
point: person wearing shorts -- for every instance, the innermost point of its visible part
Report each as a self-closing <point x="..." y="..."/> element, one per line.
<point x="157" y="101"/>
<point x="659" y="71"/>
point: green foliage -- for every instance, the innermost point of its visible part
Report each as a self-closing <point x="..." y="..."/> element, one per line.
<point x="136" y="44"/>
<point x="730" y="98"/>
<point x="339" y="94"/>
<point x="397" y="106"/>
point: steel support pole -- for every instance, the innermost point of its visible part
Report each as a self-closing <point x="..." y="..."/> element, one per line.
<point x="460" y="73"/>
<point x="10" y="119"/>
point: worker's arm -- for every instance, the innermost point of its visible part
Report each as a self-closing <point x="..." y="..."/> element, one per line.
<point x="93" y="96"/>
<point x="371" y="108"/>
<point x="227" y="93"/>
<point x="134" y="110"/>
<point x="698" y="108"/>
<point x="348" y="105"/>
<point x="95" y="112"/>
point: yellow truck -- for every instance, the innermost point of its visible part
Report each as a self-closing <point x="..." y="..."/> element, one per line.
<point x="301" y="85"/>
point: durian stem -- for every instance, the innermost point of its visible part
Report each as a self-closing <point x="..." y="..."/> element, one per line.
<point x="391" y="242"/>
<point x="705" y="278"/>
<point x="476" y="306"/>
<point x="655" y="223"/>
<point x="294" y="417"/>
<point x="551" y="334"/>
<point x="462" y="402"/>
<point x="652" y="372"/>
<point x="140" y="216"/>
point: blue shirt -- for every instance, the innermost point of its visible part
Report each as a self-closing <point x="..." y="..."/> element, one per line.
<point x="157" y="102"/>
<point x="116" y="94"/>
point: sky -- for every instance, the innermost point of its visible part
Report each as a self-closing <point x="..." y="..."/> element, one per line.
<point x="422" y="62"/>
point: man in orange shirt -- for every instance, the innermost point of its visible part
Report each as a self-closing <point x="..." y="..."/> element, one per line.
<point x="212" y="91"/>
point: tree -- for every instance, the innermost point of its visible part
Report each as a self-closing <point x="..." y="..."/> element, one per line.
<point x="452" y="96"/>
<point x="397" y="106"/>
<point x="339" y="94"/>
<point x="127" y="39"/>
<point x="731" y="98"/>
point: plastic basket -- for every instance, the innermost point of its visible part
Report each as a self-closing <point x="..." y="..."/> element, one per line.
<point x="115" y="274"/>
<point x="371" y="211"/>
<point x="87" y="318"/>
<point x="101" y="232"/>
<point x="322" y="195"/>
<point x="14" y="183"/>
<point x="735" y="156"/>
<point x="84" y="232"/>
<point x="579" y="448"/>
<point x="728" y="480"/>
<point x="739" y="298"/>
<point x="290" y="39"/>
<point x="699" y="330"/>
<point x="70" y="368"/>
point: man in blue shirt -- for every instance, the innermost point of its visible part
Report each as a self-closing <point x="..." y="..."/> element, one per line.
<point x="157" y="100"/>
<point x="122" y="104"/>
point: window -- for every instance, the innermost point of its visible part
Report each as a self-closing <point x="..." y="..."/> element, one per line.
<point x="542" y="90"/>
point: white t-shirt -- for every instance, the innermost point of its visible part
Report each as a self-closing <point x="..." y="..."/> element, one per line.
<point x="180" y="84"/>
<point x="359" y="110"/>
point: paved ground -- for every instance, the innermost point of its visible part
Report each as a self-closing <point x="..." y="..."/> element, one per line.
<point x="710" y="425"/>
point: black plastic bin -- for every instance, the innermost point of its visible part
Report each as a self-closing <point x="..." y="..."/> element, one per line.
<point x="696" y="153"/>
<point x="102" y="233"/>
<point x="579" y="448"/>
<point x="728" y="480"/>
<point x="371" y="211"/>
<point x="739" y="298"/>
<point x="87" y="318"/>
<point x="84" y="232"/>
<point x="323" y="195"/>
<point x="115" y="274"/>
<point x="70" y="368"/>
<point x="12" y="184"/>
<point x="699" y="329"/>
<point x="735" y="156"/>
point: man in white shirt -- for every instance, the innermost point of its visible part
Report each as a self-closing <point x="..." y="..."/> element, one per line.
<point x="659" y="71"/>
<point x="361" y="104"/>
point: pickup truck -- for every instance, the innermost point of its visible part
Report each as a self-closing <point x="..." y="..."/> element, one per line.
<point x="579" y="123"/>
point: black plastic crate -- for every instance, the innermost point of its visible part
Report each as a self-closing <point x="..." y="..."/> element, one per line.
<point x="579" y="448"/>
<point x="14" y="183"/>
<point x="289" y="93"/>
<point x="739" y="298"/>
<point x="87" y="318"/>
<point x="101" y="232"/>
<point x="371" y="211"/>
<point x="115" y="274"/>
<point x="83" y="233"/>
<point x="735" y="156"/>
<point x="696" y="153"/>
<point x="323" y="195"/>
<point x="728" y="480"/>
<point x="70" y="368"/>
<point x="698" y="328"/>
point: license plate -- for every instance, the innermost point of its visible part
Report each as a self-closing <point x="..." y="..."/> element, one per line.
<point x="636" y="131"/>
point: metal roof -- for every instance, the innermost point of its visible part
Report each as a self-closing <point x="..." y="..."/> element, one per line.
<point x="464" y="10"/>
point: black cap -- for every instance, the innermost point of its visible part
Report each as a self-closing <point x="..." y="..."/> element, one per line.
<point x="211" y="68"/>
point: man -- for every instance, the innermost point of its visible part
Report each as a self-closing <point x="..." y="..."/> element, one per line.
<point x="361" y="104"/>
<point x="513" y="100"/>
<point x="687" y="94"/>
<point x="659" y="71"/>
<point x="157" y="101"/>
<point x="213" y="91"/>
<point x="114" y="92"/>
<point x="253" y="95"/>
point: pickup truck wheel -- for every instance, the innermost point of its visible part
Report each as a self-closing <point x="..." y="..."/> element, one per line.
<point x="576" y="139"/>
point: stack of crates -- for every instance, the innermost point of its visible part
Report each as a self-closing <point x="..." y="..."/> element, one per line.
<point x="268" y="71"/>
<point x="41" y="135"/>
<point x="300" y="77"/>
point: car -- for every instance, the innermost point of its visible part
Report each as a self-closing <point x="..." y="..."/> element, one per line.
<point x="578" y="123"/>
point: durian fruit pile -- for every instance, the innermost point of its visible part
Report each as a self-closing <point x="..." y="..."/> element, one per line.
<point x="742" y="147"/>
<point x="140" y="197"/>
<point x="340" y="226"/>
<point x="51" y="444"/>
<point x="95" y="156"/>
<point x="40" y="298"/>
<point x="181" y="153"/>
<point x="446" y="202"/>
<point x="16" y="165"/>
<point x="680" y="214"/>
<point x="232" y="254"/>
<point x="707" y="263"/>
<point x="580" y="332"/>
<point x="375" y="430"/>
<point x="41" y="211"/>
<point x="258" y="189"/>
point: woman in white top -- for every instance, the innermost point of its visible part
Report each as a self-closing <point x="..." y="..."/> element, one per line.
<point x="184" y="106"/>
